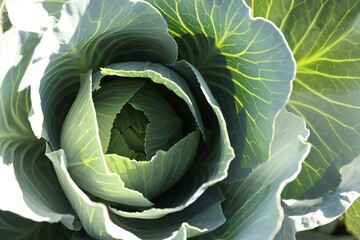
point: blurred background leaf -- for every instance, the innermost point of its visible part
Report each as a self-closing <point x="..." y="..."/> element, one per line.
<point x="352" y="218"/>
<point x="5" y="23"/>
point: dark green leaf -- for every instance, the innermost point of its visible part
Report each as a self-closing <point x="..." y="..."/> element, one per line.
<point x="119" y="147"/>
<point x="108" y="102"/>
<point x="165" y="127"/>
<point x="14" y="227"/>
<point x="246" y="63"/>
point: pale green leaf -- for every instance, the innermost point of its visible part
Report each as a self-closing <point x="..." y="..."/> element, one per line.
<point x="253" y="207"/>
<point x="94" y="216"/>
<point x="246" y="63"/>
<point x="85" y="158"/>
<point x="161" y="172"/>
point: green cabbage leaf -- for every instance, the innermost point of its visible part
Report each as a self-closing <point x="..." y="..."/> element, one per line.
<point x="326" y="94"/>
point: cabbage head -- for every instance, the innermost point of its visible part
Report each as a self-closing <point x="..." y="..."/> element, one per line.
<point x="177" y="119"/>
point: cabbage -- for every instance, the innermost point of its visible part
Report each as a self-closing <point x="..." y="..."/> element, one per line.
<point x="132" y="119"/>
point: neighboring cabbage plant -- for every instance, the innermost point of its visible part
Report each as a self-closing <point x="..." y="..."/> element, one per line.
<point x="176" y="119"/>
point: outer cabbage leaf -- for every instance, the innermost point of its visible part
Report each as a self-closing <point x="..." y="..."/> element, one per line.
<point x="87" y="35"/>
<point x="252" y="208"/>
<point x="324" y="37"/>
<point x="23" y="166"/>
<point x="246" y="63"/>
<point x="311" y="213"/>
